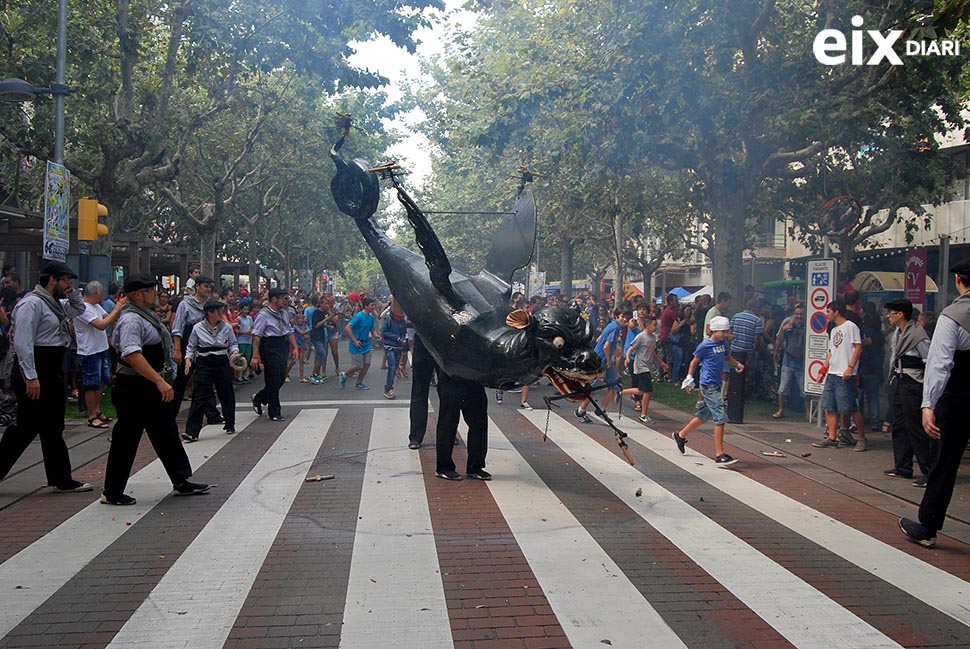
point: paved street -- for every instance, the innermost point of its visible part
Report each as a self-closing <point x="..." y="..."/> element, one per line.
<point x="568" y="546"/>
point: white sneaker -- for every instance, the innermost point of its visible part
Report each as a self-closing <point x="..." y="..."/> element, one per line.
<point x="525" y="406"/>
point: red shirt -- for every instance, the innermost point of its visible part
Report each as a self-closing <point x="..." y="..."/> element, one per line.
<point x="666" y="322"/>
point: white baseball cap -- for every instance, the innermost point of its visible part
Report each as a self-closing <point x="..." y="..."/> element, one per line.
<point x="720" y="323"/>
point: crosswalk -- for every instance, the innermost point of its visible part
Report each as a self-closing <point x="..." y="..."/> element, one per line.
<point x="568" y="546"/>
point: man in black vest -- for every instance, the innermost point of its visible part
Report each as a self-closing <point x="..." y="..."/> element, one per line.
<point x="143" y="398"/>
<point x="946" y="389"/>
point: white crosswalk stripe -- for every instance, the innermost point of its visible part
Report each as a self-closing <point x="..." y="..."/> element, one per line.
<point x="31" y="576"/>
<point x="198" y="599"/>
<point x="395" y="596"/>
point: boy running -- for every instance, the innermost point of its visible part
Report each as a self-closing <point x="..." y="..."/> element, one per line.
<point x="643" y="348"/>
<point x="710" y="355"/>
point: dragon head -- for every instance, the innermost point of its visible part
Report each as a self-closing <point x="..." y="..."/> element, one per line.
<point x="563" y="339"/>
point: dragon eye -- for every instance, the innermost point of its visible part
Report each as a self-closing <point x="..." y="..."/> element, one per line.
<point x="558" y="342"/>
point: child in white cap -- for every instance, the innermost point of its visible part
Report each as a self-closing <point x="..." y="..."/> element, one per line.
<point x="710" y="355"/>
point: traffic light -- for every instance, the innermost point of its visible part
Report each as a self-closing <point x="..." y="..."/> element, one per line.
<point x="88" y="226"/>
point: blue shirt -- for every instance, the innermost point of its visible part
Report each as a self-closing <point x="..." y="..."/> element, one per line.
<point x="361" y="325"/>
<point x="245" y="323"/>
<point x="609" y="335"/>
<point x="631" y="333"/>
<point x="711" y="355"/>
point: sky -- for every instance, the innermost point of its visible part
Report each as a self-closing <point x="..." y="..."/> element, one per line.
<point x="403" y="69"/>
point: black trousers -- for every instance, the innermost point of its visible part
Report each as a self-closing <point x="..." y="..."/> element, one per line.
<point x="182" y="381"/>
<point x="951" y="420"/>
<point x="212" y="372"/>
<point x="909" y="438"/>
<point x="461" y="398"/>
<point x="274" y="351"/>
<point x="43" y="416"/>
<point x="422" y="371"/>
<point x="141" y="409"/>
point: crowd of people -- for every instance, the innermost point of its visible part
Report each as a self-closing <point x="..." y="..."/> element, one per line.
<point x="61" y="342"/>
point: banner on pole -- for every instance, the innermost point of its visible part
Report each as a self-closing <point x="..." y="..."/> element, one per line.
<point x="915" y="288"/>
<point x="57" y="211"/>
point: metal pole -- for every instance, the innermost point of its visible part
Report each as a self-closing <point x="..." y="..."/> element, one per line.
<point x="826" y="249"/>
<point x="943" y="297"/>
<point x="60" y="80"/>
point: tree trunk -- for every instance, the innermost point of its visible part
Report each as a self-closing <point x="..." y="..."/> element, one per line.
<point x="207" y="250"/>
<point x="618" y="252"/>
<point x="728" y="250"/>
<point x="253" y="266"/>
<point x="566" y="252"/>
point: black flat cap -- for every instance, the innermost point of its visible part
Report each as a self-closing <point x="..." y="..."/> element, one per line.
<point x="205" y="280"/>
<point x="139" y="282"/>
<point x="57" y="268"/>
<point x="212" y="305"/>
<point x="277" y="292"/>
<point x="962" y="267"/>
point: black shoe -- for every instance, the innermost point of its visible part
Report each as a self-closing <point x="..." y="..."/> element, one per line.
<point x="893" y="473"/>
<point x="920" y="482"/>
<point x="725" y="460"/>
<point x="448" y="475"/>
<point x="414" y="446"/>
<point x="680" y="441"/>
<point x="479" y="474"/>
<point x="277" y="418"/>
<point x="187" y="488"/>
<point x="73" y="487"/>
<point x="121" y="499"/>
<point x="216" y="420"/>
<point x="498" y="397"/>
<point x="188" y="439"/>
<point x="230" y="430"/>
<point x="916" y="533"/>
<point x="257" y="407"/>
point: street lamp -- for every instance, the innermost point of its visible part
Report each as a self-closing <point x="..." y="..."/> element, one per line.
<point x="18" y="90"/>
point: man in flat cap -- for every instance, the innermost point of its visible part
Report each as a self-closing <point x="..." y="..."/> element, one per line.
<point x="211" y="345"/>
<point x="190" y="311"/>
<point x="273" y="344"/>
<point x="142" y="397"/>
<point x="946" y="390"/>
<point x="41" y="335"/>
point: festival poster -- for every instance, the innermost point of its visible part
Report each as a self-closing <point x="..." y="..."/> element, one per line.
<point x="915" y="289"/>
<point x="57" y="210"/>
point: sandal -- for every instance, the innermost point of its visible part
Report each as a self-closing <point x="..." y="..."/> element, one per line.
<point x="777" y="415"/>
<point x="99" y="424"/>
<point x="103" y="417"/>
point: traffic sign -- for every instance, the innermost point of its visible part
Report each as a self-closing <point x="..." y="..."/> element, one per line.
<point x="819" y="323"/>
<point x="816" y="371"/>
<point x="820" y="298"/>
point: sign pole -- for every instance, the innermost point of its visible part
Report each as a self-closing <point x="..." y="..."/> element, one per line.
<point x="822" y="277"/>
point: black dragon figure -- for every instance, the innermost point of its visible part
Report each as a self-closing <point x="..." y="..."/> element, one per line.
<point x="464" y="320"/>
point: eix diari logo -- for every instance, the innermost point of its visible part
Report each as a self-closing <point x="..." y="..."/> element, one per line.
<point x="830" y="46"/>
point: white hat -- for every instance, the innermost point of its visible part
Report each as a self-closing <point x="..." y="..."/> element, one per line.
<point x="720" y="323"/>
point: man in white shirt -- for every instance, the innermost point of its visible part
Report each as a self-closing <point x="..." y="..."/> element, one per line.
<point x="839" y="394"/>
<point x="92" y="349"/>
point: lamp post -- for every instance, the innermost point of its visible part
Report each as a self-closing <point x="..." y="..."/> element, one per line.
<point x="19" y="91"/>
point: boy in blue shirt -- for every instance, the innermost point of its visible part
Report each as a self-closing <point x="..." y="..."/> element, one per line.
<point x="711" y="355"/>
<point x="609" y="349"/>
<point x="359" y="330"/>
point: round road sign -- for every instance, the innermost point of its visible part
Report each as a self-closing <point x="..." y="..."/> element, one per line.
<point x="820" y="297"/>
<point x="819" y="323"/>
<point x="816" y="371"/>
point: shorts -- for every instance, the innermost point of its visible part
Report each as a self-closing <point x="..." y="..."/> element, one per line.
<point x="359" y="360"/>
<point x="612" y="376"/>
<point x="839" y="396"/>
<point x="246" y="349"/>
<point x="643" y="382"/>
<point x="791" y="377"/>
<point x="95" y="370"/>
<point x="712" y="407"/>
<point x="320" y="349"/>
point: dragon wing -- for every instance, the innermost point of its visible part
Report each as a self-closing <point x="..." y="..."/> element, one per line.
<point x="514" y="241"/>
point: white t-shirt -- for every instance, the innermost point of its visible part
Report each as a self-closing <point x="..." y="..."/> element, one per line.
<point x="841" y="341"/>
<point x="643" y="346"/>
<point x="189" y="286"/>
<point x="90" y="339"/>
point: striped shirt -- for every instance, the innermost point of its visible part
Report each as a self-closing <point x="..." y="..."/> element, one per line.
<point x="745" y="326"/>
<point x="207" y="340"/>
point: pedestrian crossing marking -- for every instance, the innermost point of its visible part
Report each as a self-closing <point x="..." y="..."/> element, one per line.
<point x="196" y="602"/>
<point x="395" y="596"/>
<point x="927" y="583"/>
<point x="589" y="593"/>
<point x="34" y="574"/>
<point x="803" y="615"/>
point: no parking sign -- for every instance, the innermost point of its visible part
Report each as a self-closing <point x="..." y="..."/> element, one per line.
<point x="821" y="274"/>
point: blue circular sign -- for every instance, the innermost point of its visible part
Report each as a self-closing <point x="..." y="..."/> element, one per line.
<point x="819" y="323"/>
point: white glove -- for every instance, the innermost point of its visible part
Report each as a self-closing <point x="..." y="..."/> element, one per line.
<point x="688" y="383"/>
